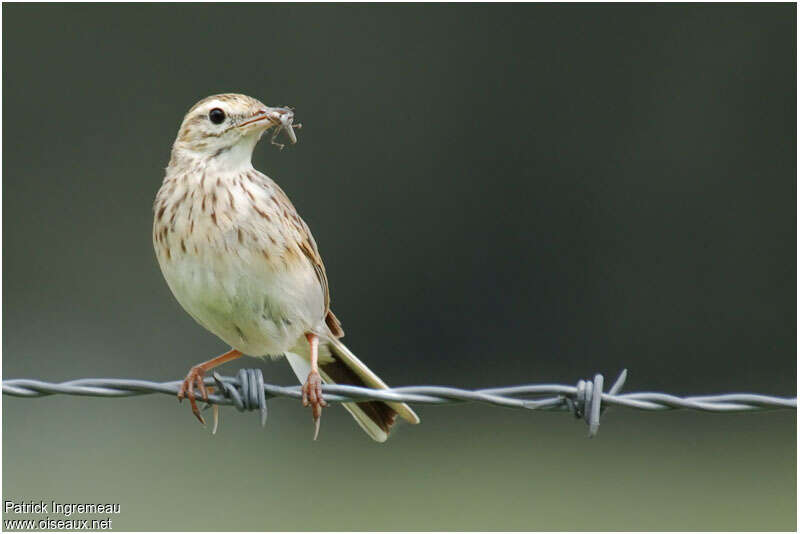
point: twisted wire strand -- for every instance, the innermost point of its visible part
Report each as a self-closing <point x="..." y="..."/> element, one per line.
<point x="586" y="400"/>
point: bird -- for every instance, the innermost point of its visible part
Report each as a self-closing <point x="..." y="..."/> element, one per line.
<point x="242" y="263"/>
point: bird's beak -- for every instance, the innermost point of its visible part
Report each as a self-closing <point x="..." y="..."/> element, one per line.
<point x="269" y="117"/>
<point x="280" y="118"/>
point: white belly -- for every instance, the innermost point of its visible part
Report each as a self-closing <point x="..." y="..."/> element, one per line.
<point x="257" y="306"/>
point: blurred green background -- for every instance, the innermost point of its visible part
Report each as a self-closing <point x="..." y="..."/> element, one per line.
<point x="502" y="194"/>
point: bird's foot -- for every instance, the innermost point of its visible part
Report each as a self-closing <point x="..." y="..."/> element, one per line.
<point x="312" y="396"/>
<point x="194" y="379"/>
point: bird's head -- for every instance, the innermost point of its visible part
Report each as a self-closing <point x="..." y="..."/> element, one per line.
<point x="224" y="129"/>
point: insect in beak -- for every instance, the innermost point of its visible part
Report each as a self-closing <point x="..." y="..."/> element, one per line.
<point x="281" y="118"/>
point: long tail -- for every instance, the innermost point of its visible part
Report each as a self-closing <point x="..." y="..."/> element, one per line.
<point x="340" y="366"/>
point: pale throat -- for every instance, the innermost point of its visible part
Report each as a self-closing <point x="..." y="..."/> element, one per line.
<point x="233" y="158"/>
<point x="225" y="159"/>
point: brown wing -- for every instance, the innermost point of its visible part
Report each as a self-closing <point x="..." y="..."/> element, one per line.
<point x="309" y="247"/>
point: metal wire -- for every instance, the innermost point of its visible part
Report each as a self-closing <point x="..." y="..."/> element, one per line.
<point x="586" y="400"/>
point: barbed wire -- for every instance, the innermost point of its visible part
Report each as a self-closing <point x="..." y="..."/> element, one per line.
<point x="586" y="400"/>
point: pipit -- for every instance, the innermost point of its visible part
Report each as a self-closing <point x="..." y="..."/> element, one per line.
<point x="244" y="265"/>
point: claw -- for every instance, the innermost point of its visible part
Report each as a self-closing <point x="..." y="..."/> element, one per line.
<point x="199" y="417"/>
<point x="312" y="396"/>
<point x="194" y="378"/>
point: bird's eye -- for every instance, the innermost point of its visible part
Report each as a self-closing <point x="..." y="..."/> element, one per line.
<point x="216" y="116"/>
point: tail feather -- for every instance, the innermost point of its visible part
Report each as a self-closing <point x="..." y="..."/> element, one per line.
<point x="342" y="367"/>
<point x="380" y="413"/>
<point x="369" y="379"/>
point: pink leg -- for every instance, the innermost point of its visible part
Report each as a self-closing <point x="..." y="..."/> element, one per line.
<point x="312" y="389"/>
<point x="195" y="380"/>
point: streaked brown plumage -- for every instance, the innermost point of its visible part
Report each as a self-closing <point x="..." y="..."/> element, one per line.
<point x="244" y="265"/>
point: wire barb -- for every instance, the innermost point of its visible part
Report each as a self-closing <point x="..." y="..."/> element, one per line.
<point x="248" y="392"/>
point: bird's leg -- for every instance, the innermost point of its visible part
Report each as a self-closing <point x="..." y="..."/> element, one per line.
<point x="312" y="389"/>
<point x="195" y="379"/>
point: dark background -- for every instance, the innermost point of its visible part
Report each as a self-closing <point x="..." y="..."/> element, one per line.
<point x="502" y="194"/>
